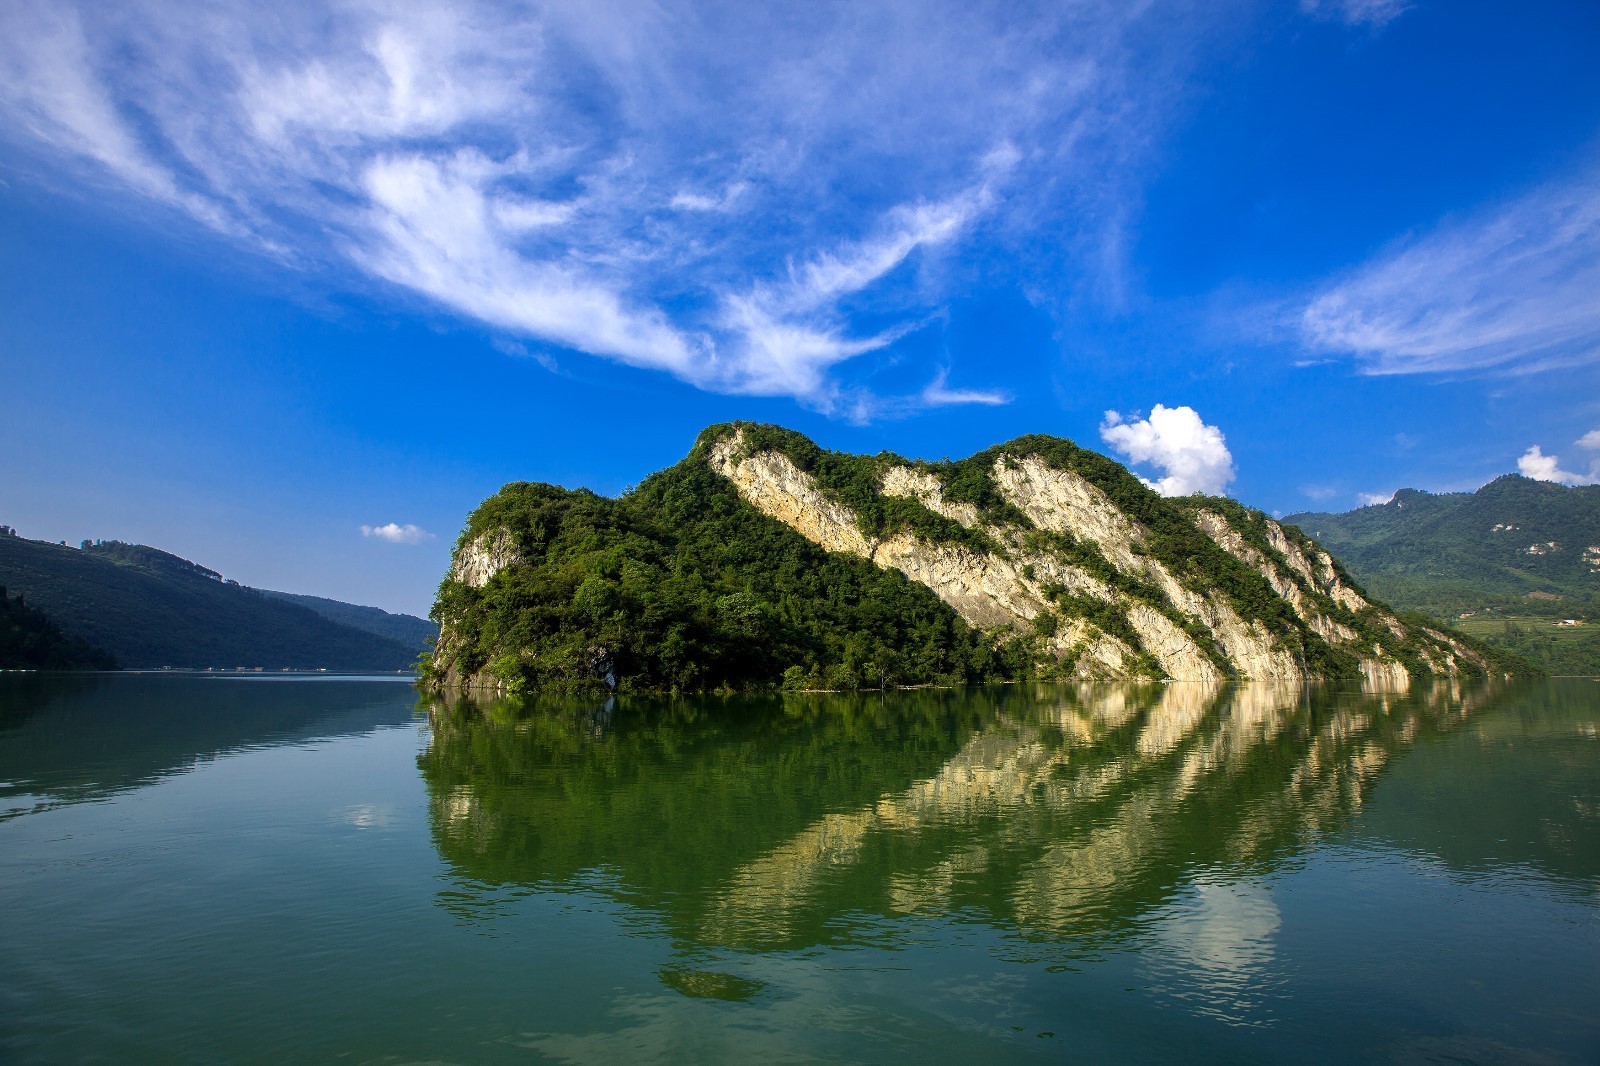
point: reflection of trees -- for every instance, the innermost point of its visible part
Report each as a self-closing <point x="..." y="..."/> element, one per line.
<point x="68" y="738"/>
<point x="1061" y="813"/>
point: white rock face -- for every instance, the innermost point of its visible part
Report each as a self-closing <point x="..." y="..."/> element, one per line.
<point x="779" y="489"/>
<point x="1231" y="541"/>
<point x="1177" y="653"/>
<point x="1064" y="502"/>
<point x="485" y="556"/>
<point x="986" y="590"/>
<point x="1315" y="571"/>
<point x="989" y="591"/>
<point x="925" y="489"/>
<point x="1008" y="591"/>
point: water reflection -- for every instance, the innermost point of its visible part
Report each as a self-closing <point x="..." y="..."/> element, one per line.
<point x="69" y="738"/>
<point x="1218" y="945"/>
<point x="1064" y="817"/>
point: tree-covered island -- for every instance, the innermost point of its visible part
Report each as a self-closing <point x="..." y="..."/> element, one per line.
<point x="762" y="560"/>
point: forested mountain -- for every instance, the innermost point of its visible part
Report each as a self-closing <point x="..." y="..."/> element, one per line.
<point x="1511" y="562"/>
<point x="763" y="559"/>
<point x="30" y="641"/>
<point x="149" y="608"/>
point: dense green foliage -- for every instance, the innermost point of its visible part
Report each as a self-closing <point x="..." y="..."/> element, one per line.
<point x="1484" y="561"/>
<point x="151" y="609"/>
<point x="418" y="633"/>
<point x="30" y="641"/>
<point x="683" y="586"/>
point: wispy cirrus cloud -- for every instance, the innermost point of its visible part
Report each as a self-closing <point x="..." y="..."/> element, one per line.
<point x="1373" y="13"/>
<point x="939" y="394"/>
<point x="1511" y="288"/>
<point x="746" y="198"/>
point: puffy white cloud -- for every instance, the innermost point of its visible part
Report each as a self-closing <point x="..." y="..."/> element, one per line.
<point x="1513" y="288"/>
<point x="1193" y="455"/>
<point x="1541" y="467"/>
<point x="1590" y="439"/>
<point x="1375" y="499"/>
<point x="395" y="533"/>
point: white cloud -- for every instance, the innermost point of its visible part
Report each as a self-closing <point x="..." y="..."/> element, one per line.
<point x="434" y="232"/>
<point x="1513" y="287"/>
<point x="1193" y="455"/>
<point x="1375" y="499"/>
<point x="786" y="334"/>
<point x="1541" y="467"/>
<point x="742" y="197"/>
<point x="522" y="351"/>
<point x="395" y="533"/>
<point x="1590" y="439"/>
<point x="726" y="200"/>
<point x="938" y="394"/>
<point x="1374" y="13"/>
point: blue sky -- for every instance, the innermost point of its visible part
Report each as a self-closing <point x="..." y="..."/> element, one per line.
<point x="291" y="287"/>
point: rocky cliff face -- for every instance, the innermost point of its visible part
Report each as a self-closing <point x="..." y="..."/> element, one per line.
<point x="1011" y="588"/>
<point x="484" y="556"/>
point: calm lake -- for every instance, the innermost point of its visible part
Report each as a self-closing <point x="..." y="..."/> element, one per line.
<point x="214" y="869"/>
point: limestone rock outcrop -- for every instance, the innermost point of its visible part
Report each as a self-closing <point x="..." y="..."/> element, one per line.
<point x="1008" y="589"/>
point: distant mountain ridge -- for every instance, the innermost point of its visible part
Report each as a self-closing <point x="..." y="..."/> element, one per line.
<point x="150" y="608"/>
<point x="406" y="628"/>
<point x="1517" y="554"/>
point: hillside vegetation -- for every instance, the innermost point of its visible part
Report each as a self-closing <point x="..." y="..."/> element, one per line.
<point x="1505" y="563"/>
<point x="30" y="641"/>
<point x="680" y="585"/>
<point x="762" y="559"/>
<point x="148" y="608"/>
<point x="417" y="633"/>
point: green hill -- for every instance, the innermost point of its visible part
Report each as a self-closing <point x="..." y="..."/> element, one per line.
<point x="418" y="633"/>
<point x="1506" y="563"/>
<point x="763" y="559"/>
<point x="149" y="608"/>
<point x="30" y="641"/>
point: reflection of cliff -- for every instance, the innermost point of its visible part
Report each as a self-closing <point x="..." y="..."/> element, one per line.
<point x="663" y="794"/>
<point x="1062" y="813"/>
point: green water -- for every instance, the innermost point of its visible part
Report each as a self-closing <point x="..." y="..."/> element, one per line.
<point x="220" y="869"/>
